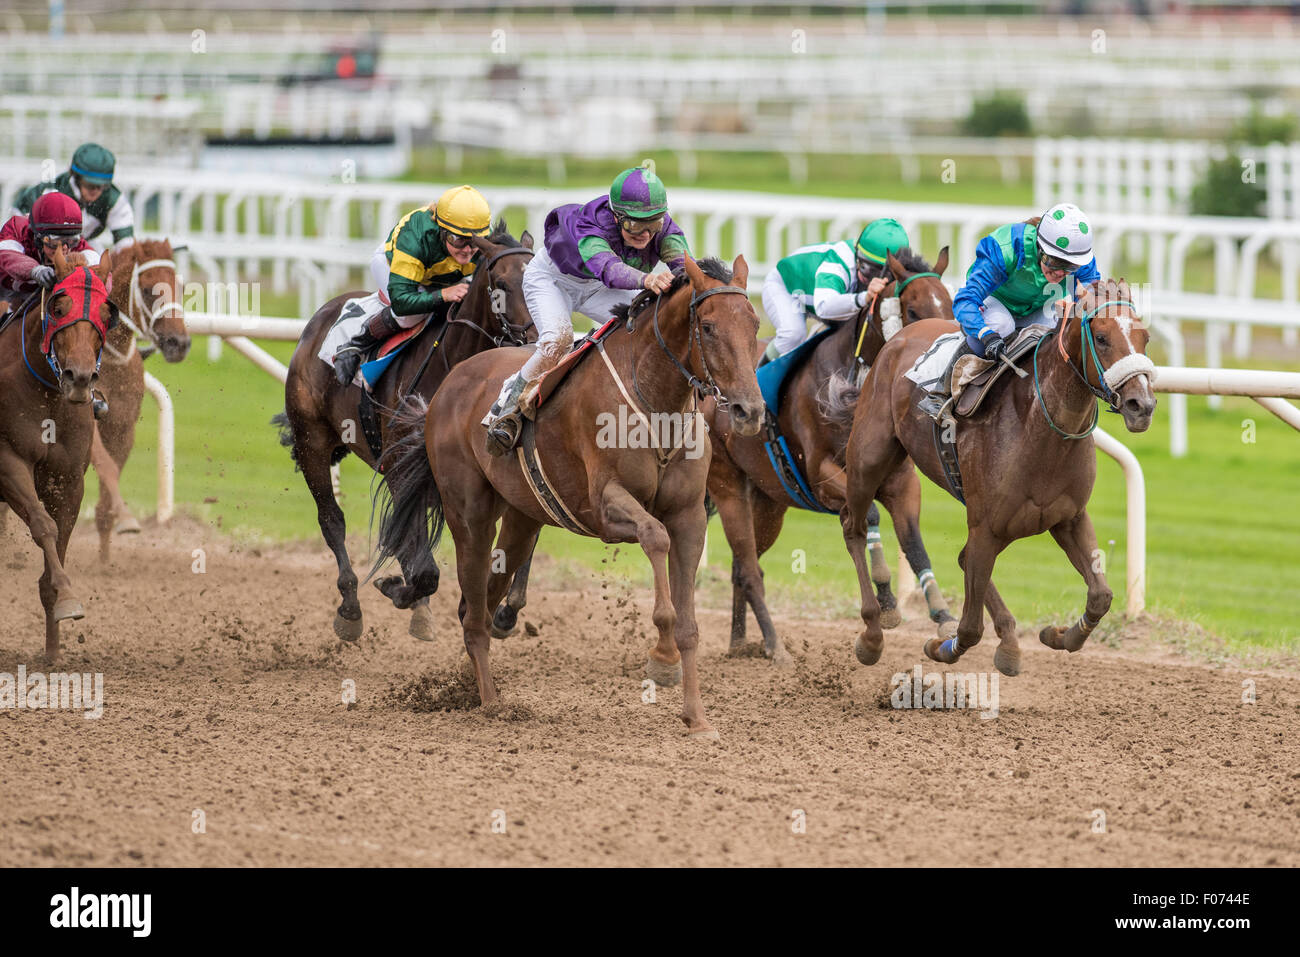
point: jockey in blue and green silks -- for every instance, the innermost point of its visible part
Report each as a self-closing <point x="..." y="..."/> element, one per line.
<point x="1019" y="272"/>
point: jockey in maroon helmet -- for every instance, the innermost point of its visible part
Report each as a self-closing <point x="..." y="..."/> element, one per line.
<point x="27" y="244"/>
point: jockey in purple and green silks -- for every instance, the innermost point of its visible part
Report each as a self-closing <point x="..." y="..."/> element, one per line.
<point x="595" y="257"/>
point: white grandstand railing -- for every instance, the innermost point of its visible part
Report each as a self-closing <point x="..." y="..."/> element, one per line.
<point x="1155" y="176"/>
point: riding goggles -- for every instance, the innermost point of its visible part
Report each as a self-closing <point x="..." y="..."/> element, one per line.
<point x="455" y="240"/>
<point x="639" y="227"/>
<point x="50" y="240"/>
<point x="1058" y="265"/>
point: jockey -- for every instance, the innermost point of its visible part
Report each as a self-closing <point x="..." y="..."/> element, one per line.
<point x="422" y="267"/>
<point x="89" y="180"/>
<point x="830" y="281"/>
<point x="595" y="257"/>
<point x="27" y="245"/>
<point x="1018" y="274"/>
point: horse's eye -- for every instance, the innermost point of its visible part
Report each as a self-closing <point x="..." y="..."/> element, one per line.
<point x="707" y="328"/>
<point x="1101" y="341"/>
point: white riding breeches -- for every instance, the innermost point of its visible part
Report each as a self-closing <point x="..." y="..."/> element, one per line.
<point x="552" y="298"/>
<point x="785" y="312"/>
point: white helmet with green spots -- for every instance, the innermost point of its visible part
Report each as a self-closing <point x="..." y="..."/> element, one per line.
<point x="1064" y="233"/>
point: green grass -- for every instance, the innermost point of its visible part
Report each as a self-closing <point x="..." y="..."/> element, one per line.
<point x="1222" y="526"/>
<point x="978" y="178"/>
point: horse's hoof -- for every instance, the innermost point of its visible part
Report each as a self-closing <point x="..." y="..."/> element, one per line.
<point x="1051" y="636"/>
<point x="421" y="626"/>
<point x="867" y="653"/>
<point x="662" y="674"/>
<point x="705" y="735"/>
<point x="944" y="651"/>
<point x="1007" y="661"/>
<point x="504" y="621"/>
<point x="347" y="628"/>
<point x="891" y="618"/>
<point x="68" y="608"/>
<point x="947" y="629"/>
<point x="127" y="526"/>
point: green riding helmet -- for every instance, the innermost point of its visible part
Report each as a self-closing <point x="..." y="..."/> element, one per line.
<point x="93" y="164"/>
<point x="880" y="238"/>
<point x="638" y="194"/>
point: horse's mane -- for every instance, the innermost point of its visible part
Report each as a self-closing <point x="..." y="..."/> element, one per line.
<point x="712" y="267"/>
<point x="912" y="261"/>
<point x="153" y="248"/>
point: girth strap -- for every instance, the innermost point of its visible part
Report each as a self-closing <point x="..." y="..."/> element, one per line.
<point x="531" y="465"/>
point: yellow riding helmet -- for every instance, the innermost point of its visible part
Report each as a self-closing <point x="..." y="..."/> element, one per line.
<point x="464" y="211"/>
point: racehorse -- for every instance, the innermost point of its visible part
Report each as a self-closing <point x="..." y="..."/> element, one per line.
<point x="146" y="290"/>
<point x="1026" y="456"/>
<point x="698" y="337"/>
<point x="752" y="499"/>
<point x="48" y="371"/>
<point x="323" y="421"/>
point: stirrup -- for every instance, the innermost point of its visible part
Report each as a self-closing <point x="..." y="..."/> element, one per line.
<point x="935" y="405"/>
<point x="99" y="405"/>
<point x="503" y="433"/>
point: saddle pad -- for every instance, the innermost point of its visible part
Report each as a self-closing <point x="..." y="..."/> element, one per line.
<point x="773" y="375"/>
<point x="551" y="381"/>
<point x="933" y="363"/>
<point x="352" y="319"/>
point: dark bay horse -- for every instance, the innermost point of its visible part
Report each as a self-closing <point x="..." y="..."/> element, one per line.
<point x="700" y="335"/>
<point x="322" y="420"/>
<point x="750" y="497"/>
<point x="1027" y="459"/>
<point x="48" y="370"/>
<point x="147" y="292"/>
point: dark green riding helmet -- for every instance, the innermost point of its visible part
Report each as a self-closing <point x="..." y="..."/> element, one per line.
<point x="93" y="164"/>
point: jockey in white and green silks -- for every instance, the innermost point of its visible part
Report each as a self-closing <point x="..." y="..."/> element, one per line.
<point x="828" y="281"/>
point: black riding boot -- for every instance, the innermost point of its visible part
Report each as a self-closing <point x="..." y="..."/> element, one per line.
<point x="348" y="358"/>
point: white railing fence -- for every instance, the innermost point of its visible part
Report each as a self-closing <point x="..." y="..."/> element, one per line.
<point x="1156" y="176"/>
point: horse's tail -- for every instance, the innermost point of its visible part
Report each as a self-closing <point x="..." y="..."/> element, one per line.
<point x="408" y="503"/>
<point x="281" y="419"/>
<point x="836" y="401"/>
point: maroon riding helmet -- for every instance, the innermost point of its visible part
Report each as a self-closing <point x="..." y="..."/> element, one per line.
<point x="56" y="216"/>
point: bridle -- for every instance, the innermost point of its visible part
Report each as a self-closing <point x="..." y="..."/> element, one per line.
<point x="706" y="386"/>
<point x="509" y="334"/>
<point x="1111" y="379"/>
<point x="135" y="297"/>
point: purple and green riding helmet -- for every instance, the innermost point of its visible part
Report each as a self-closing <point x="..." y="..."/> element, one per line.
<point x="638" y="193"/>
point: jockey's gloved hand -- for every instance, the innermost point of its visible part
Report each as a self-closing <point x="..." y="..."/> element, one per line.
<point x="44" y="275"/>
<point x="994" y="348"/>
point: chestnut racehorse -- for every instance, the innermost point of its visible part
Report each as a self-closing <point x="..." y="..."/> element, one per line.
<point x="1026" y="456"/>
<point x="322" y="421"/>
<point x="751" y="499"/>
<point x="699" y="336"/>
<point x="49" y="357"/>
<point x="146" y="290"/>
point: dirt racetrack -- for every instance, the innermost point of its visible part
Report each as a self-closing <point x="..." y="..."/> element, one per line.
<point x="223" y="695"/>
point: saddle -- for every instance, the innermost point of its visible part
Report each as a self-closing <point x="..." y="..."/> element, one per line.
<point x="973" y="378"/>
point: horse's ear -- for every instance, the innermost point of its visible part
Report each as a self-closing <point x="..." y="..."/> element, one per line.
<point x="60" y="261"/>
<point x="740" y="272"/>
<point x="941" y="264"/>
<point x="692" y="270"/>
<point x="895" y="266"/>
<point x="526" y="240"/>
